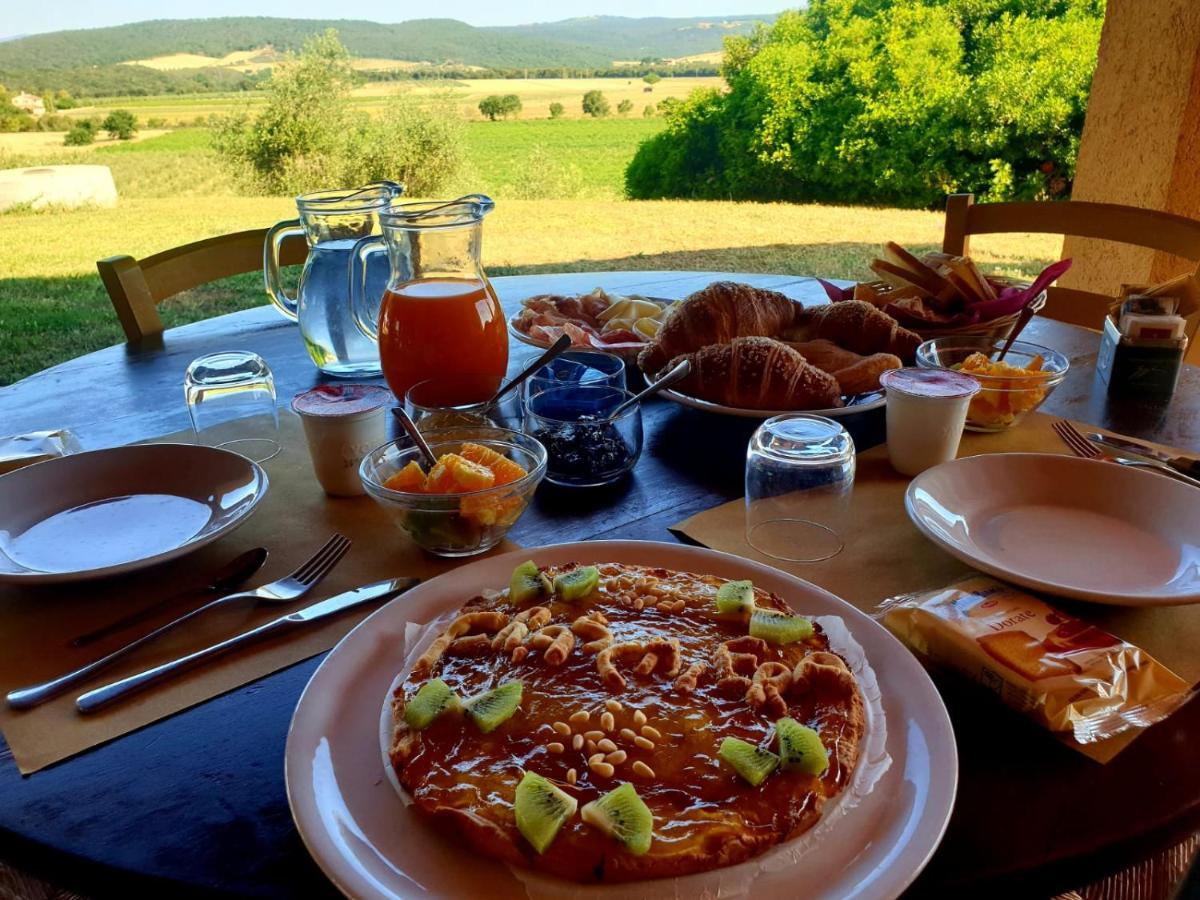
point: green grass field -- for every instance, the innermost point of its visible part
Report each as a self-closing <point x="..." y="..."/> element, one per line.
<point x="174" y="190"/>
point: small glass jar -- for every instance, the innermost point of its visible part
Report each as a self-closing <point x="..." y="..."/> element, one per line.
<point x="575" y="367"/>
<point x="799" y="475"/>
<point x="456" y="401"/>
<point x="584" y="447"/>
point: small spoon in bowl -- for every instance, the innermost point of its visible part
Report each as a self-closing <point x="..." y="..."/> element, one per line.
<point x="678" y="372"/>
<point x="411" y="427"/>
<point x="557" y="349"/>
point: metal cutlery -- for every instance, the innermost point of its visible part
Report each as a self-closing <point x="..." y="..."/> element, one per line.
<point x="228" y="577"/>
<point x="557" y="349"/>
<point x="678" y="372"/>
<point x="1082" y="447"/>
<point x="1178" y="463"/>
<point x="285" y="590"/>
<point x="382" y="590"/>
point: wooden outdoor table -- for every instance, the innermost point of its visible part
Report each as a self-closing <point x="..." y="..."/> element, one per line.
<point x="195" y="804"/>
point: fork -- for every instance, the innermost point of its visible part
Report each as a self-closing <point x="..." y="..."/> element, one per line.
<point x="1081" y="446"/>
<point x="285" y="590"/>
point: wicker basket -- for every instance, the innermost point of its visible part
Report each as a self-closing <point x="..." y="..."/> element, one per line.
<point x="996" y="329"/>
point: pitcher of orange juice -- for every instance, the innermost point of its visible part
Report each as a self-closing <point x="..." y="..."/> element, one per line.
<point x="439" y="315"/>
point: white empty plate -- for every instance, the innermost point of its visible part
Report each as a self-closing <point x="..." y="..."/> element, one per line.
<point x="1082" y="528"/>
<point x="108" y="512"/>
<point x="373" y="846"/>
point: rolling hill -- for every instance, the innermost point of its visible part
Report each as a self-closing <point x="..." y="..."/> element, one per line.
<point x="581" y="42"/>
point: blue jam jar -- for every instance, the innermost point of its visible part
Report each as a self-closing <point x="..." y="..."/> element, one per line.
<point x="584" y="447"/>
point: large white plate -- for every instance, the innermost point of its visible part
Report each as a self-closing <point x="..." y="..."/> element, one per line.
<point x="372" y="846"/>
<point x="109" y="512"/>
<point x="1081" y="528"/>
<point x="859" y="403"/>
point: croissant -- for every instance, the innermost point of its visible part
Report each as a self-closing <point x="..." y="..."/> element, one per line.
<point x="758" y="373"/>
<point x="858" y="326"/>
<point x="716" y="315"/>
<point x="855" y="373"/>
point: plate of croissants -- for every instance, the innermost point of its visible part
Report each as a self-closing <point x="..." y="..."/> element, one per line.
<point x="759" y="353"/>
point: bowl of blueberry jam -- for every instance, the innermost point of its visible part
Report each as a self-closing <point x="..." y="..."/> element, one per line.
<point x="585" y="445"/>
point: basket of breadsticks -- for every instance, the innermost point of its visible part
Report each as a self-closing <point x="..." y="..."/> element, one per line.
<point x="941" y="294"/>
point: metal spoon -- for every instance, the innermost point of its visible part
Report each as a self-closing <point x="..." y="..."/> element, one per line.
<point x="557" y="349"/>
<point x="228" y="577"/>
<point x="678" y="372"/>
<point x="411" y="427"/>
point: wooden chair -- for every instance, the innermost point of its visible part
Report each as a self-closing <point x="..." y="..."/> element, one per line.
<point x="1105" y="221"/>
<point x="137" y="286"/>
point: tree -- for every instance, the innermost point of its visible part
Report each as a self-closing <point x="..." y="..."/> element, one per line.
<point x="595" y="104"/>
<point x="556" y="110"/>
<point x="648" y="112"/>
<point x="652" y="78"/>
<point x="511" y="104"/>
<point x="625" y="107"/>
<point x="81" y="133"/>
<point x="496" y="107"/>
<point x="120" y="124"/>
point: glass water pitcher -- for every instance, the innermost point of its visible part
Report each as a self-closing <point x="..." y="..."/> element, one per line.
<point x="439" y="316"/>
<point x="332" y="222"/>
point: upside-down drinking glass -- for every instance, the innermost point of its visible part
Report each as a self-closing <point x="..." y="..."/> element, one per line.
<point x="231" y="401"/>
<point x="799" y="474"/>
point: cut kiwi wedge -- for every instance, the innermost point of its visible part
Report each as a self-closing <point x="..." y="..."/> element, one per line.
<point x="489" y="709"/>
<point x="577" y="583"/>
<point x="623" y="815"/>
<point x="528" y="583"/>
<point x="542" y="809"/>
<point x="753" y="763"/>
<point x="779" y="628"/>
<point x="735" y="597"/>
<point x="434" y="698"/>
<point x="800" y="748"/>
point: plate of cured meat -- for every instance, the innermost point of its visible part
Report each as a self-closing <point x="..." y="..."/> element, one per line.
<point x="611" y="323"/>
<point x="759" y="353"/>
<point x="642" y="719"/>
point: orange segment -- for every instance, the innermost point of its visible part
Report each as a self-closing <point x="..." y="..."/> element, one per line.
<point x="455" y="475"/>
<point x="505" y="470"/>
<point x="492" y="510"/>
<point x="411" y="479"/>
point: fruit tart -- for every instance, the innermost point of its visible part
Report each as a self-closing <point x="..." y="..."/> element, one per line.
<point x="610" y="723"/>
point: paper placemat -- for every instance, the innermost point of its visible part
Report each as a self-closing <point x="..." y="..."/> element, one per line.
<point x="886" y="555"/>
<point x="292" y="522"/>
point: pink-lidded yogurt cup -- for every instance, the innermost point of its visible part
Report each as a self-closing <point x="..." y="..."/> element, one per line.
<point x="342" y="423"/>
<point x="926" y="412"/>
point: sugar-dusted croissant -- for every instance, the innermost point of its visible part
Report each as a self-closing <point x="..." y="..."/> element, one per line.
<point x="758" y="373"/>
<point x="716" y="315"/>
<point x="855" y="373"/>
<point x="856" y="326"/>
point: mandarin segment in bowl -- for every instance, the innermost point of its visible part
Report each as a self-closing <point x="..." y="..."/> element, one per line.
<point x="638" y="682"/>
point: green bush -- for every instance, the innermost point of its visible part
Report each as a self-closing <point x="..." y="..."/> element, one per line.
<point x="652" y="78"/>
<point x="81" y="133"/>
<point x="496" y="106"/>
<point x="156" y="122"/>
<point x="556" y="110"/>
<point x="625" y="107"/>
<point x="120" y="124"/>
<point x="546" y="175"/>
<point x="894" y="102"/>
<point x="308" y="136"/>
<point x="595" y="104"/>
<point x="648" y="112"/>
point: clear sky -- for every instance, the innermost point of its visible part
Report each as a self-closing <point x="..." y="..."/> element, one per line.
<point x="26" y="17"/>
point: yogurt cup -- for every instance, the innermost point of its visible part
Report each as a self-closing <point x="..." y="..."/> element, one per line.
<point x="926" y="412"/>
<point x="342" y="423"/>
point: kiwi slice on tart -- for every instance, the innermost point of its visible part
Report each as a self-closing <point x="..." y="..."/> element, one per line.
<point x="489" y="709"/>
<point x="800" y="748"/>
<point x="434" y="698"/>
<point x="577" y="583"/>
<point x="528" y="583"/>
<point x="779" y="628"/>
<point x="735" y="597"/>
<point x="623" y="815"/>
<point x="753" y="763"/>
<point x="541" y="809"/>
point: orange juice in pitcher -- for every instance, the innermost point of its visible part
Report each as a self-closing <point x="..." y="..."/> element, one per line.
<point x="439" y="316"/>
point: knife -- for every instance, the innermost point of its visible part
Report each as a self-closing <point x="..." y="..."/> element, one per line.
<point x="381" y="590"/>
<point x="1132" y="448"/>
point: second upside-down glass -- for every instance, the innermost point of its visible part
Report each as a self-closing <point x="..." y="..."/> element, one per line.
<point x="799" y="475"/>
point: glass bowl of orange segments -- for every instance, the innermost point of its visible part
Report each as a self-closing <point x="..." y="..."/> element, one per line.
<point x="482" y="483"/>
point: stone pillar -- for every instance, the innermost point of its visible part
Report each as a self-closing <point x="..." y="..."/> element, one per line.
<point x="1141" y="139"/>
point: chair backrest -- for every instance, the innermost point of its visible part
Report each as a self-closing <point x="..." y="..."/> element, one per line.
<point x="137" y="286"/>
<point x="1161" y="231"/>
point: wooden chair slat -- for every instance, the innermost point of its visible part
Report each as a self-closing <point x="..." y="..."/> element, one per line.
<point x="136" y="287"/>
